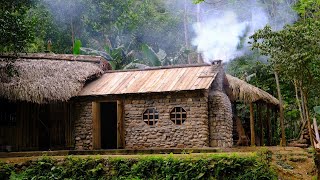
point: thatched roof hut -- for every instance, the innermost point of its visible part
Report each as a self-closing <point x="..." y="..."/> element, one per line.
<point x="247" y="93"/>
<point x="44" y="78"/>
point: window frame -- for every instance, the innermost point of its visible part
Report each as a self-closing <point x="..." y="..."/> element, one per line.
<point x="180" y="119"/>
<point x="154" y="114"/>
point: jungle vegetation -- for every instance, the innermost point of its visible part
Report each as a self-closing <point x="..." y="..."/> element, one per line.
<point x="133" y="33"/>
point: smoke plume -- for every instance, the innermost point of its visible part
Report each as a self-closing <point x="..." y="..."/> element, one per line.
<point x="219" y="34"/>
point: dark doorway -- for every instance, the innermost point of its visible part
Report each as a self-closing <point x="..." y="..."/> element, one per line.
<point x="108" y="125"/>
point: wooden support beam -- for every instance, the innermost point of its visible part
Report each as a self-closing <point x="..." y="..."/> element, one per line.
<point x="259" y="109"/>
<point x="96" y="125"/>
<point x="120" y="124"/>
<point x="268" y="125"/>
<point x="252" y="125"/>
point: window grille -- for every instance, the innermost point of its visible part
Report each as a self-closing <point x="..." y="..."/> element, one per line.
<point x="151" y="116"/>
<point x="178" y="115"/>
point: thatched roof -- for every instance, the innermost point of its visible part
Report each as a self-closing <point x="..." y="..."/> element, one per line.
<point x="43" y="80"/>
<point x="247" y="93"/>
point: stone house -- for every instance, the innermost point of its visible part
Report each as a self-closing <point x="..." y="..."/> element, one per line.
<point x="167" y="107"/>
<point x="78" y="102"/>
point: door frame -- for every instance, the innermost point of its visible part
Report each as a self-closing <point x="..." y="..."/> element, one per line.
<point x="96" y="123"/>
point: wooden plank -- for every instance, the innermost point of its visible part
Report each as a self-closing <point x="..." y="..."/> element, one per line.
<point x="166" y="81"/>
<point x="120" y="125"/>
<point x="174" y="86"/>
<point x="107" y="80"/>
<point x="96" y="139"/>
<point x="148" y="82"/>
<point x="123" y="83"/>
<point x="130" y="83"/>
<point x="252" y="125"/>
<point x="191" y="84"/>
<point x="120" y="81"/>
<point x="160" y="76"/>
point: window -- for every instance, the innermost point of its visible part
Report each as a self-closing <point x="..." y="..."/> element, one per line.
<point x="151" y="116"/>
<point x="8" y="116"/>
<point x="178" y="115"/>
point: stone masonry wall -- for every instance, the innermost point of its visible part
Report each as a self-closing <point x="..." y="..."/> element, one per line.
<point x="194" y="132"/>
<point x="220" y="114"/>
<point x="83" y="126"/>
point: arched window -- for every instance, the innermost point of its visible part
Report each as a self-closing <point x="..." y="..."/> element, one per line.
<point x="151" y="116"/>
<point x="178" y="115"/>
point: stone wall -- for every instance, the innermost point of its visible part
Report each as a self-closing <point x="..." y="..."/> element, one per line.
<point x="194" y="132"/>
<point x="83" y="126"/>
<point x="220" y="114"/>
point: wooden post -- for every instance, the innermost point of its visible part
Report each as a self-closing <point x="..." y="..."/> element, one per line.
<point x="259" y="108"/>
<point x="120" y="124"/>
<point x="268" y="125"/>
<point x="96" y="125"/>
<point x="252" y="125"/>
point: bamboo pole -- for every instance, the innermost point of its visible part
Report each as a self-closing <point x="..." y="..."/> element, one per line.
<point x="252" y="125"/>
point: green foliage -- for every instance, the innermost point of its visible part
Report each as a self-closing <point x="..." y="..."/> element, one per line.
<point x="5" y="170"/>
<point x="152" y="167"/>
<point x="77" y="46"/>
<point x="15" y="28"/>
<point x="149" y="54"/>
<point x="197" y="1"/>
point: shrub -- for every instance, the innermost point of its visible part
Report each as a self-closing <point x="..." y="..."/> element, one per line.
<point x="215" y="166"/>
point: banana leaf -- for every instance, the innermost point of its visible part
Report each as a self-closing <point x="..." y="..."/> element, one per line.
<point x="150" y="55"/>
<point x="77" y="46"/>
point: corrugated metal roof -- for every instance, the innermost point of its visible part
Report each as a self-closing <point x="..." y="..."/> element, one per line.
<point x="162" y="79"/>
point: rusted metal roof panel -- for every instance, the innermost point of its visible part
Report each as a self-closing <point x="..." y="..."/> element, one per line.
<point x="163" y="79"/>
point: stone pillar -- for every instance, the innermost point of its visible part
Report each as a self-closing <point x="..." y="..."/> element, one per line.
<point x="220" y="120"/>
<point x="83" y="126"/>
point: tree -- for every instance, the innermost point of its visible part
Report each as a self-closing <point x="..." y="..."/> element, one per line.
<point x="294" y="52"/>
<point x="15" y="29"/>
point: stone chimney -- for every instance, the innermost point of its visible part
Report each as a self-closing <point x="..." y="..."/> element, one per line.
<point x="216" y="62"/>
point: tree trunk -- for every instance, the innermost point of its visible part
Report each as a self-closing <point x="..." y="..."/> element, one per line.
<point x="198" y="21"/>
<point x="308" y="118"/>
<point x="72" y="34"/>
<point x="283" y="136"/>
<point x="298" y="102"/>
<point x="186" y="33"/>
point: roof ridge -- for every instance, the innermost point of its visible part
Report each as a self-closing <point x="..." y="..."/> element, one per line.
<point x="52" y="56"/>
<point x="162" y="67"/>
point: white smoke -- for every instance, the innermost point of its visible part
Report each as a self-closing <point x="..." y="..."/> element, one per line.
<point x="218" y="35"/>
<point x="218" y="38"/>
